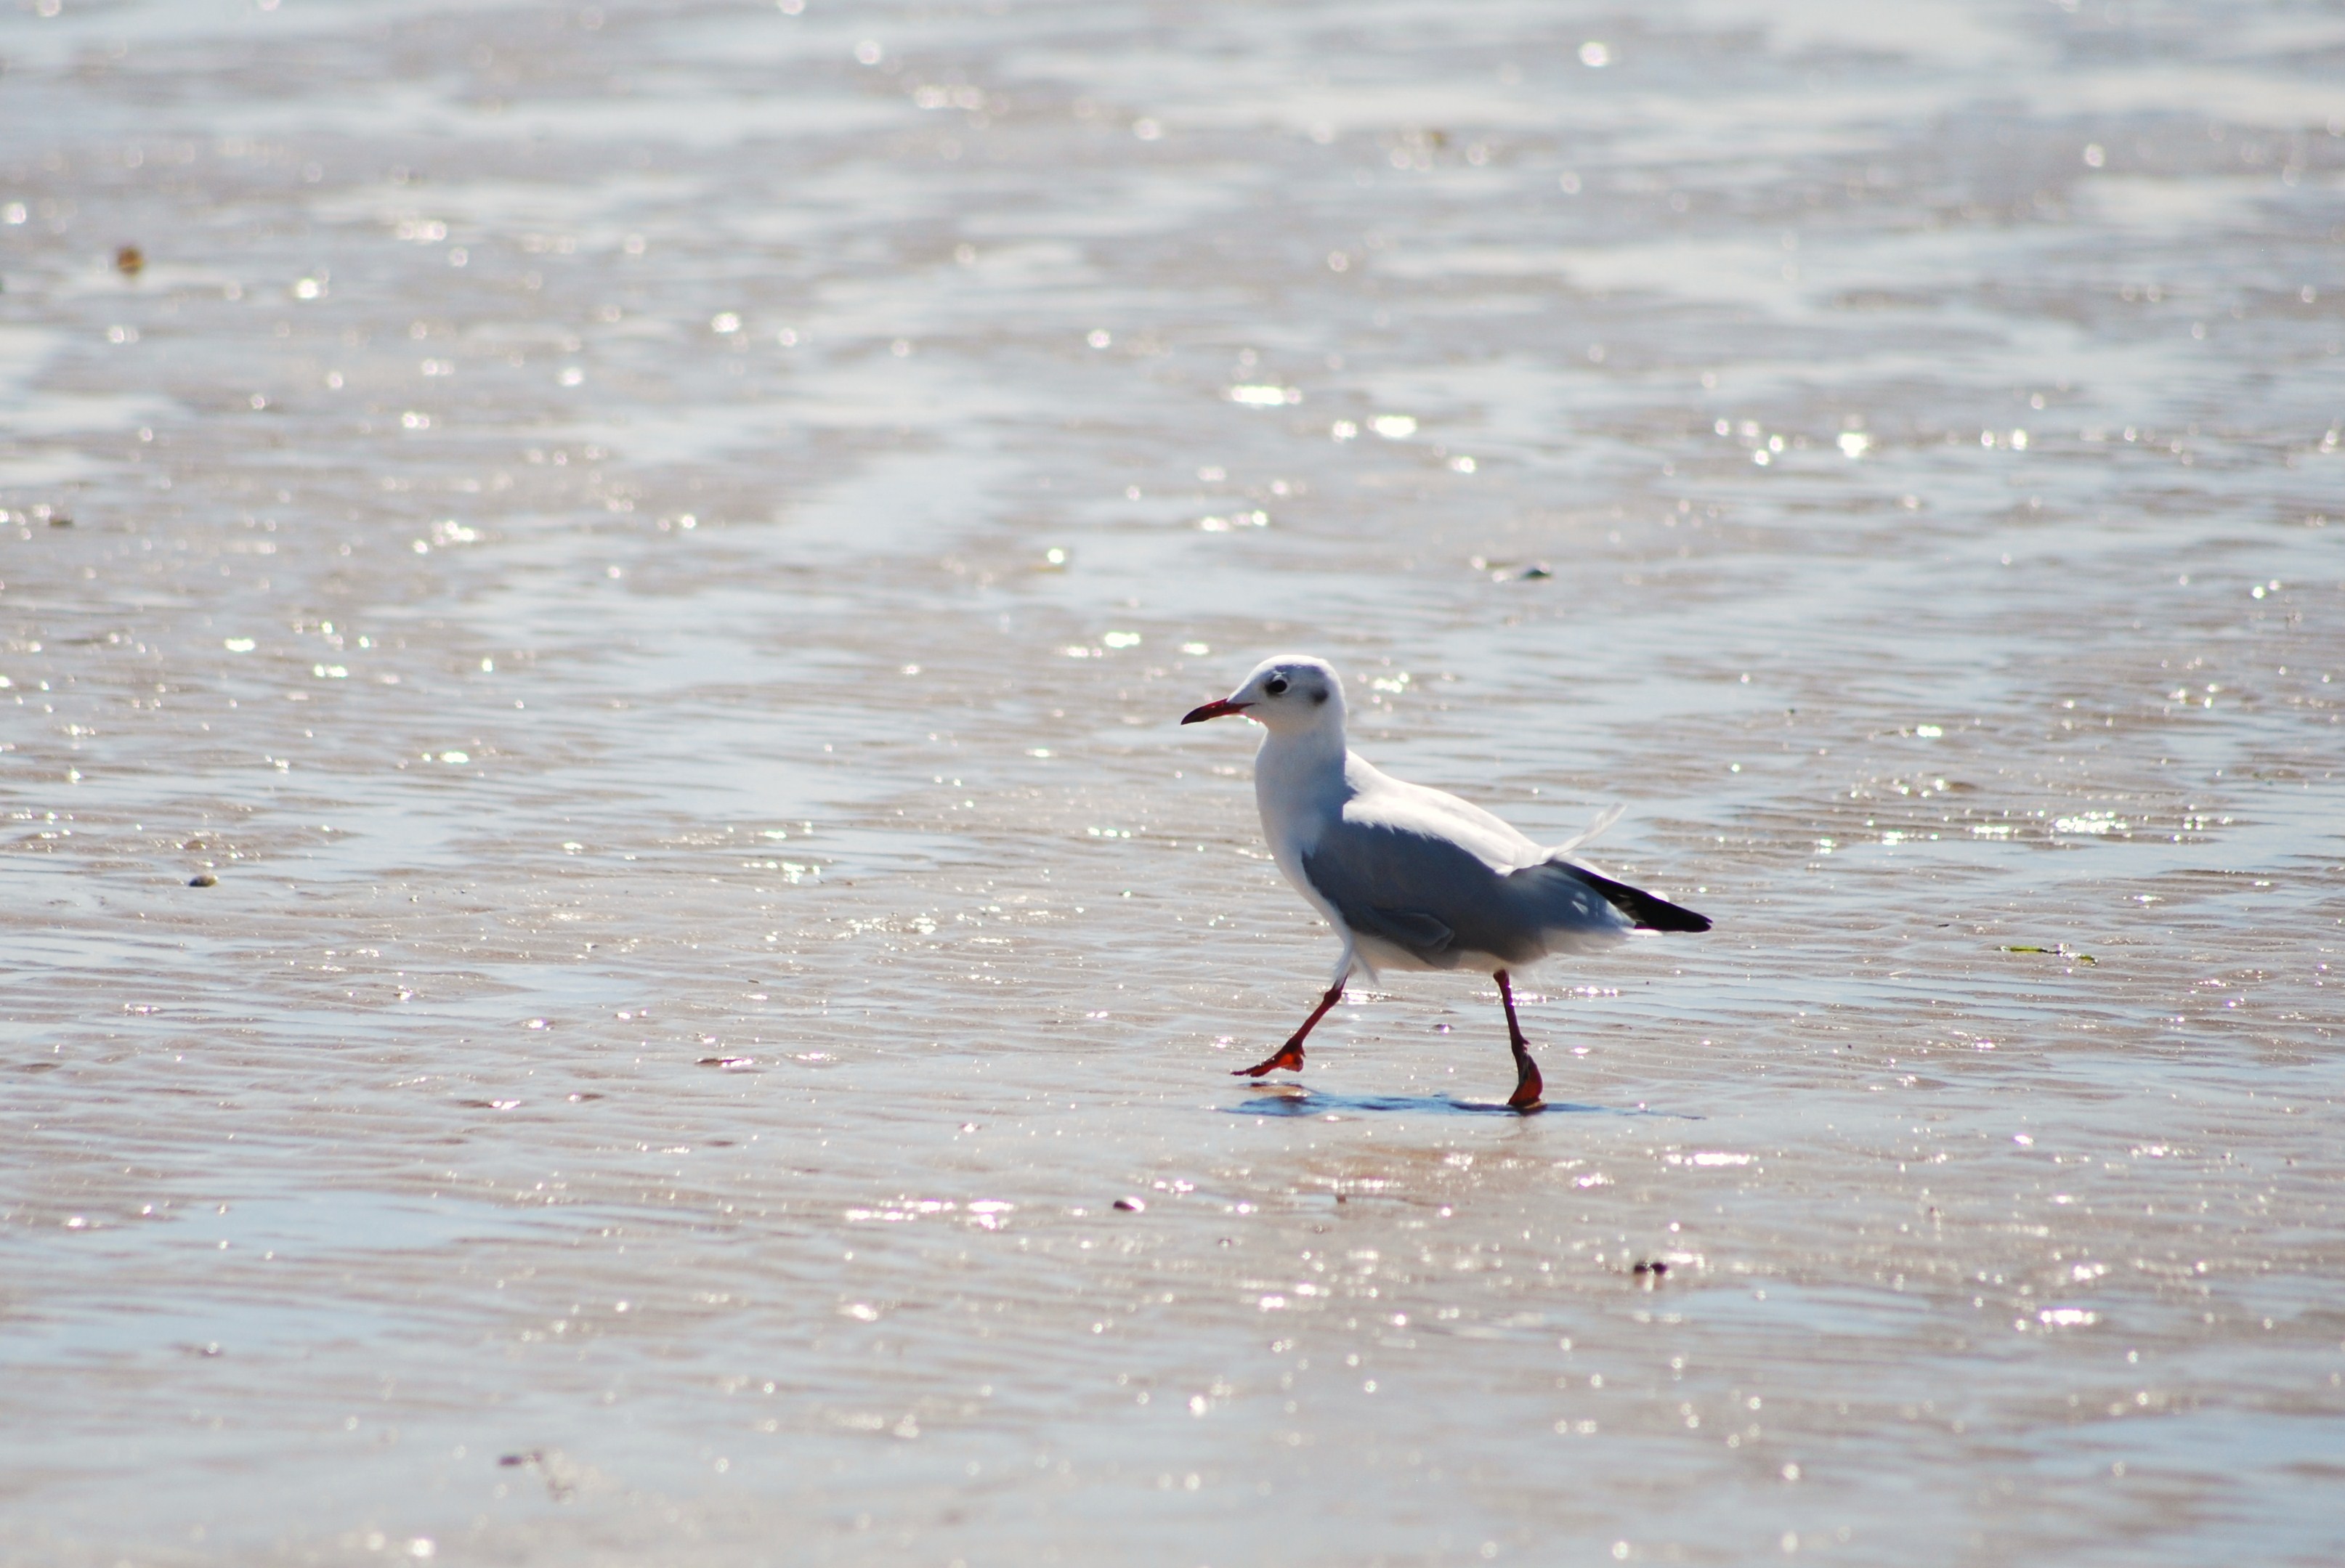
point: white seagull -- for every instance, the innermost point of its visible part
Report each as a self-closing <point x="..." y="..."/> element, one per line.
<point x="1411" y="878"/>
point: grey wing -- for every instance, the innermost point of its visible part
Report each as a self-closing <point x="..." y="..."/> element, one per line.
<point x="1564" y="907"/>
<point x="1427" y="894"/>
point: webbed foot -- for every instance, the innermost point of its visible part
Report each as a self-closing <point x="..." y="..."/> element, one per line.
<point x="1529" y="1087"/>
<point x="1289" y="1056"/>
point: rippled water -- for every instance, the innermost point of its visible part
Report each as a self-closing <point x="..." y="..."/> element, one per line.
<point x="654" y="552"/>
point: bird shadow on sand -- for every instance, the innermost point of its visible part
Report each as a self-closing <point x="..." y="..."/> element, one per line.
<point x="1293" y="1100"/>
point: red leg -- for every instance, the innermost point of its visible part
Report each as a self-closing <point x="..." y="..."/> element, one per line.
<point x="1290" y="1055"/>
<point x="1528" y="1085"/>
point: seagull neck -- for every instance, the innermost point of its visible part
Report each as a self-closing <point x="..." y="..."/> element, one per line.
<point x="1300" y="765"/>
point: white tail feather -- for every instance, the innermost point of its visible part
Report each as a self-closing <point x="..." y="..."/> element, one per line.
<point x="1604" y="819"/>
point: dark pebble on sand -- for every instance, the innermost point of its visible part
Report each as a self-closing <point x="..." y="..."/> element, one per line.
<point x="1132" y="1204"/>
<point x="203" y="879"/>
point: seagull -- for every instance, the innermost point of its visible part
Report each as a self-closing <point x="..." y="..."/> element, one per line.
<point x="1411" y="878"/>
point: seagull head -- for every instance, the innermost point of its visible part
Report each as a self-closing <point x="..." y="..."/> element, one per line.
<point x="1288" y="695"/>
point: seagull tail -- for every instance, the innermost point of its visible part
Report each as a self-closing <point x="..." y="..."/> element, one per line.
<point x="1604" y="819"/>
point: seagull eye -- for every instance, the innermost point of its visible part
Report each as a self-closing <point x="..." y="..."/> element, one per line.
<point x="1276" y="685"/>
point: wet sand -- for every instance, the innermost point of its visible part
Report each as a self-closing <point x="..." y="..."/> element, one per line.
<point x="655" y="553"/>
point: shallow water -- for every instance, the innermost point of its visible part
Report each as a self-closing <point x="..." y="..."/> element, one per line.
<point x="655" y="553"/>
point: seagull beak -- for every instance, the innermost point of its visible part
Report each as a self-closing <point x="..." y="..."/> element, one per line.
<point x="1220" y="709"/>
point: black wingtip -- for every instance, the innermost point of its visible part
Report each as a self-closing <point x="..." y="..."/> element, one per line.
<point x="1652" y="913"/>
<point x="1649" y="912"/>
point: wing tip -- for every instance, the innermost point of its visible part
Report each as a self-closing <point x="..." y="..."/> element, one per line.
<point x="1646" y="911"/>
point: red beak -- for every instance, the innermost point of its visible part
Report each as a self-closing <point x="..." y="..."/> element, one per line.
<point x="1219" y="710"/>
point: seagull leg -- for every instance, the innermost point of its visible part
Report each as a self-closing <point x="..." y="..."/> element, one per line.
<point x="1290" y="1055"/>
<point x="1527" y="1086"/>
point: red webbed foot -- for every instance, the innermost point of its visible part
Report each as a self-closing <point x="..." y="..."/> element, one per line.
<point x="1289" y="1056"/>
<point x="1529" y="1087"/>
